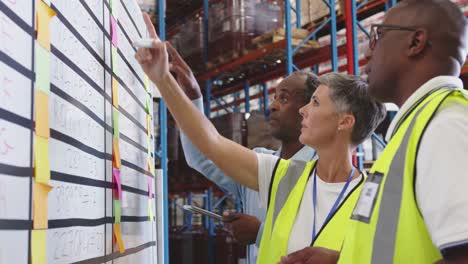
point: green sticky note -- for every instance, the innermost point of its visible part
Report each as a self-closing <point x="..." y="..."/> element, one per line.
<point x="113" y="4"/>
<point x="114" y="60"/>
<point x="147" y="109"/>
<point x="115" y="122"/>
<point x="117" y="211"/>
<point x="42" y="65"/>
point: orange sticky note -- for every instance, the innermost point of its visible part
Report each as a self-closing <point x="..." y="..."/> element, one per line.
<point x="41" y="192"/>
<point x="116" y="154"/>
<point x="38" y="246"/>
<point x="42" y="114"/>
<point x="115" y="93"/>
<point x="118" y="238"/>
<point x="43" y="16"/>
<point x="41" y="159"/>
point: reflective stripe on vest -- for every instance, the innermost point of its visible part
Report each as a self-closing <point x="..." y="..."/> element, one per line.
<point x="287" y="188"/>
<point x="393" y="231"/>
<point x="287" y="183"/>
<point x="389" y="213"/>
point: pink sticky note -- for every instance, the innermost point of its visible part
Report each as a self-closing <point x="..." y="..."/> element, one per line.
<point x="116" y="174"/>
<point x="150" y="187"/>
<point x="114" y="31"/>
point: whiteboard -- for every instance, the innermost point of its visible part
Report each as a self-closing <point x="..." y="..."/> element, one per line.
<point x="80" y="205"/>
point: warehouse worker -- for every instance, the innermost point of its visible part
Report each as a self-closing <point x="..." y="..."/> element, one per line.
<point x="309" y="203"/>
<point x="414" y="205"/>
<point x="285" y="121"/>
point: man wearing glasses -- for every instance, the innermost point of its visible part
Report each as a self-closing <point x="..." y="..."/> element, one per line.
<point x="413" y="207"/>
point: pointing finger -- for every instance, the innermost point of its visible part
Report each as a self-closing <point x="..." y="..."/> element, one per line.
<point x="150" y="26"/>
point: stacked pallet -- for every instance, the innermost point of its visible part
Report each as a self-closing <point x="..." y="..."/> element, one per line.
<point x="314" y="12"/>
<point x="298" y="35"/>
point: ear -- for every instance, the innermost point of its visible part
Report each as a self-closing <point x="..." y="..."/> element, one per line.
<point x="417" y="42"/>
<point x="346" y="122"/>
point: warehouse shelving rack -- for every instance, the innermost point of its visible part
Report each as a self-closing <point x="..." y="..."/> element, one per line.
<point x="353" y="13"/>
<point x="292" y="62"/>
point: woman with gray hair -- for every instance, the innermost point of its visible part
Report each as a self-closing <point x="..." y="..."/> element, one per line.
<point x="308" y="203"/>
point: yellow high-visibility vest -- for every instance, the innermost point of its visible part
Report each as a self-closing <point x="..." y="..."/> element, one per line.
<point x="286" y="190"/>
<point x="386" y="226"/>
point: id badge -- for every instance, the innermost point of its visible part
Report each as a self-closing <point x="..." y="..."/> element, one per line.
<point x="366" y="202"/>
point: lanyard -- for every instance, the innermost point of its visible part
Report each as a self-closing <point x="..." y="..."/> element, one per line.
<point x="334" y="207"/>
<point x="315" y="155"/>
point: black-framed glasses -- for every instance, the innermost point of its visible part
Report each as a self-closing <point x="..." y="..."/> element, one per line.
<point x="378" y="29"/>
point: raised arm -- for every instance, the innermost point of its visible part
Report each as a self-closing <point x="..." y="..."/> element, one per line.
<point x="234" y="160"/>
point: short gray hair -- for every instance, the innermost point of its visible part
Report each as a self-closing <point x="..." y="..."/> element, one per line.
<point x="350" y="95"/>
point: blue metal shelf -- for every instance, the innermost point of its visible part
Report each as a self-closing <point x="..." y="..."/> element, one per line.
<point x="293" y="60"/>
<point x="163" y="143"/>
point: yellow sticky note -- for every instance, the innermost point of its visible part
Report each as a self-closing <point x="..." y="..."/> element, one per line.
<point x="43" y="16"/>
<point x="150" y="210"/>
<point x="38" y="246"/>
<point x="41" y="192"/>
<point x="116" y="154"/>
<point x="42" y="62"/>
<point x="114" y="55"/>
<point x="118" y="238"/>
<point x="42" y="114"/>
<point x="41" y="157"/>
<point x="146" y="82"/>
<point x="148" y="125"/>
<point x="115" y="93"/>
<point x="150" y="166"/>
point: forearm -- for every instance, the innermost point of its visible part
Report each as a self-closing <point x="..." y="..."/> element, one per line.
<point x="236" y="161"/>
<point x="206" y="167"/>
<point x="200" y="163"/>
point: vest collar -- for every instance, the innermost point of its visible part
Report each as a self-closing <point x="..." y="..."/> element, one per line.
<point x="420" y="93"/>
<point x="306" y="153"/>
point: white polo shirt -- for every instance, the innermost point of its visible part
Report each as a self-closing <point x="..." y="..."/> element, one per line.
<point x="442" y="172"/>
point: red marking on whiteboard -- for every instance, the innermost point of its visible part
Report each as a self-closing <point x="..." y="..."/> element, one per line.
<point x="6" y="82"/>
<point x="7" y="148"/>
